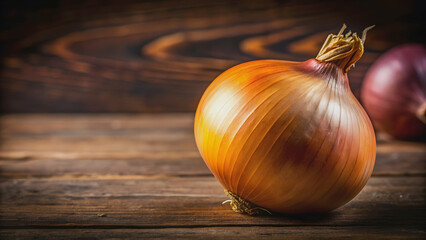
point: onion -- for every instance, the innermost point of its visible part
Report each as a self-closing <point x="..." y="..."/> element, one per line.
<point x="394" y="92"/>
<point x="288" y="137"/>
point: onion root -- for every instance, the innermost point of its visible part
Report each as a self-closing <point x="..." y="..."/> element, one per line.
<point x="240" y="205"/>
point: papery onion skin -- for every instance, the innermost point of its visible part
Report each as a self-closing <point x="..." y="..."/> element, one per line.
<point x="394" y="92"/>
<point x="289" y="137"/>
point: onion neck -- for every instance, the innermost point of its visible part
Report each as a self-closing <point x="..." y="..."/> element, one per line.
<point x="343" y="50"/>
<point x="329" y="72"/>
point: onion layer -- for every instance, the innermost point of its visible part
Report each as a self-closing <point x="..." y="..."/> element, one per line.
<point x="288" y="137"/>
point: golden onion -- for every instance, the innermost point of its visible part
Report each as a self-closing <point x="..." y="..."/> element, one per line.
<point x="288" y="137"/>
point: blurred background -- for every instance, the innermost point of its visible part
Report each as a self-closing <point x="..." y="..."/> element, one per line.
<point x="159" y="56"/>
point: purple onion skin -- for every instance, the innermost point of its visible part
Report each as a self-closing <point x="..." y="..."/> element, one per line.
<point x="394" y="92"/>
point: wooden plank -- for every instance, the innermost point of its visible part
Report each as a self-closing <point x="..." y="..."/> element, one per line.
<point x="85" y="134"/>
<point x="103" y="168"/>
<point x="113" y="144"/>
<point x="64" y="124"/>
<point x="400" y="163"/>
<point x="173" y="164"/>
<point x="253" y="232"/>
<point x="159" y="56"/>
<point x="150" y="141"/>
<point x="190" y="201"/>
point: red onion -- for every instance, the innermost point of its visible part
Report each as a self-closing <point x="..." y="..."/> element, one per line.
<point x="394" y="92"/>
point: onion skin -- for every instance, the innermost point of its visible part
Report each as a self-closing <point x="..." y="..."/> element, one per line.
<point x="289" y="137"/>
<point x="394" y="92"/>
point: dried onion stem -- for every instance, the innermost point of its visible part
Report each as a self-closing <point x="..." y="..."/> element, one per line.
<point x="343" y="50"/>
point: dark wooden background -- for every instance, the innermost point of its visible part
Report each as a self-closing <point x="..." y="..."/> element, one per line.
<point x="159" y="56"/>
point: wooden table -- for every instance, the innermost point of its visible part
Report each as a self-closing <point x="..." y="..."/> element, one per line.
<point x="141" y="176"/>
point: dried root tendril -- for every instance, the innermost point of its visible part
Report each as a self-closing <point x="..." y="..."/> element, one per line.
<point x="343" y="49"/>
<point x="240" y="205"/>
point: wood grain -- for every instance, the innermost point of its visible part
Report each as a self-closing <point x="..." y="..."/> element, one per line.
<point x="175" y="164"/>
<point x="254" y="232"/>
<point x="190" y="201"/>
<point x="111" y="144"/>
<point x="78" y="176"/>
<point x="157" y="56"/>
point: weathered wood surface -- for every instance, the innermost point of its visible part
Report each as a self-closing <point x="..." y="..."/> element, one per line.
<point x="135" y="176"/>
<point x="188" y="201"/>
<point x="157" y="56"/>
<point x="252" y="232"/>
